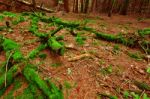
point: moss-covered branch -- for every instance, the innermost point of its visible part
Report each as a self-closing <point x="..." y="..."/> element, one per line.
<point x="31" y="75"/>
<point x="12" y="72"/>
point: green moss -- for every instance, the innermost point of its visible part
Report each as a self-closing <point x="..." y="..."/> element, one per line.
<point x="2" y="68"/>
<point x="36" y="51"/>
<point x="17" y="56"/>
<point x="56" y="46"/>
<point x="59" y="22"/>
<point x="16" y="85"/>
<point x="80" y="39"/>
<point x="55" y="90"/>
<point x="144" y="32"/>
<point x="18" y="20"/>
<point x="42" y="55"/>
<point x="52" y="33"/>
<point x="10" y="74"/>
<point x="31" y="92"/>
<point x="1" y="17"/>
<point x="9" y="14"/>
<point x="34" y="25"/>
<point x="33" y="77"/>
<point x="107" y="70"/>
<point x="56" y="64"/>
<point x="137" y="55"/>
<point x="10" y="45"/>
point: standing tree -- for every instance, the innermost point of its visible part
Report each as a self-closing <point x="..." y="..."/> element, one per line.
<point x="34" y="4"/>
<point x="125" y="7"/>
<point x="111" y="5"/>
<point x="66" y="5"/>
<point x="82" y="6"/>
<point x="86" y="6"/>
<point x="76" y="6"/>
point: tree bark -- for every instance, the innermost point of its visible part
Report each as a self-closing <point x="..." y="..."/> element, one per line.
<point x="76" y="6"/>
<point x="66" y="5"/>
<point x="86" y="6"/>
<point x="125" y="7"/>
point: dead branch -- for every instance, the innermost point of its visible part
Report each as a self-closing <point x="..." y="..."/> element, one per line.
<point x="80" y="57"/>
<point x="37" y="6"/>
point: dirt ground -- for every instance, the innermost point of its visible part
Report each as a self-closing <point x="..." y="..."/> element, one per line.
<point x="84" y="75"/>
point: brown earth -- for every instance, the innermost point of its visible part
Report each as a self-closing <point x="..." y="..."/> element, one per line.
<point x="84" y="75"/>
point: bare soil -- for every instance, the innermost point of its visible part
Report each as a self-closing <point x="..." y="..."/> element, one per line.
<point x="84" y="75"/>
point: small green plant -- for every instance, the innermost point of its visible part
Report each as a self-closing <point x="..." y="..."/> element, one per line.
<point x="1" y="17"/>
<point x="18" y="20"/>
<point x="80" y="39"/>
<point x="126" y="94"/>
<point x="67" y="85"/>
<point x="148" y="70"/>
<point x="56" y="64"/>
<point x="9" y="14"/>
<point x="106" y="70"/>
<point x="116" y="49"/>
<point x="101" y="62"/>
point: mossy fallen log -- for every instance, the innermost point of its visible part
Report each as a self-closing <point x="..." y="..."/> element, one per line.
<point x="110" y="37"/>
<point x="36" y="51"/>
<point x="31" y="75"/>
<point x="52" y="33"/>
<point x="118" y="39"/>
<point x="12" y="72"/>
<point x="59" y="22"/>
<point x="55" y="90"/>
<point x="56" y="46"/>
<point x="10" y="46"/>
<point x="144" y="32"/>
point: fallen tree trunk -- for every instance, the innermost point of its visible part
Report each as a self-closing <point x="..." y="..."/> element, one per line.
<point x="32" y="77"/>
<point x="13" y="71"/>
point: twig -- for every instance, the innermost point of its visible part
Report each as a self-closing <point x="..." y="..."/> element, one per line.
<point x="7" y="68"/>
<point x="142" y="94"/>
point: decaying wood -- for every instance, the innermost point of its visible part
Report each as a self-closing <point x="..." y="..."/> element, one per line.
<point x="80" y="57"/>
<point x="37" y="6"/>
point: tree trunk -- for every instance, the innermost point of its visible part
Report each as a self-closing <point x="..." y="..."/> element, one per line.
<point x="125" y="7"/>
<point x="82" y="6"/>
<point x="86" y="6"/>
<point x="76" y="6"/>
<point x="93" y="5"/>
<point x="66" y="5"/>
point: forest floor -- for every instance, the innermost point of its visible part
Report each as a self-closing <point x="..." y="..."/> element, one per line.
<point x="85" y="77"/>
